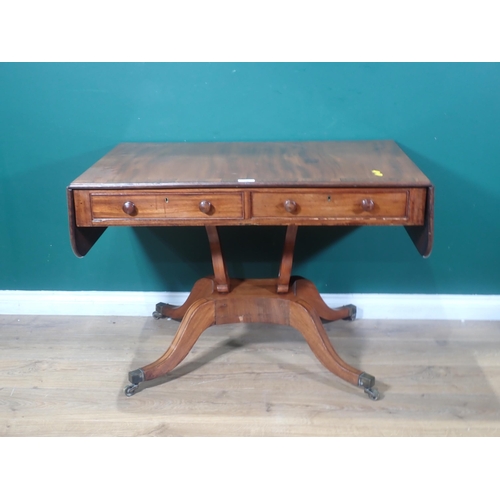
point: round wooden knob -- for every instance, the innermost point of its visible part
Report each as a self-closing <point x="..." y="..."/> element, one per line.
<point x="290" y="206"/>
<point x="205" y="206"/>
<point x="129" y="208"/>
<point x="368" y="204"/>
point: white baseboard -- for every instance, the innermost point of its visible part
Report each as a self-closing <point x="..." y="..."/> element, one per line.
<point x="370" y="306"/>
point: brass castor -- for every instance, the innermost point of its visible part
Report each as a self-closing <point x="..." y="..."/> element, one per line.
<point x="135" y="378"/>
<point x="157" y="314"/>
<point x="131" y="389"/>
<point x="367" y="381"/>
<point x="352" y="312"/>
<point x="373" y="393"/>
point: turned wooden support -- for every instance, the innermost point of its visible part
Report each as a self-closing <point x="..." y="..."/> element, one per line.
<point x="285" y="271"/>
<point x="220" y="270"/>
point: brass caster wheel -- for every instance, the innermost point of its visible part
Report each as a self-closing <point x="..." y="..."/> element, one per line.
<point x="367" y="381"/>
<point x="159" y="307"/>
<point x="373" y="394"/>
<point x="352" y="312"/>
<point x="131" y="389"/>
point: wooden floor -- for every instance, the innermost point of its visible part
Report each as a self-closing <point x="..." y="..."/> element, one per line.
<point x="64" y="376"/>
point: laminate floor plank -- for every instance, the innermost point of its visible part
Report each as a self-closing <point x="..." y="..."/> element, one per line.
<point x="64" y="376"/>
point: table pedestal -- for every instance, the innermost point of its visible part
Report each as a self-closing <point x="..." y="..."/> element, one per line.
<point x="286" y="300"/>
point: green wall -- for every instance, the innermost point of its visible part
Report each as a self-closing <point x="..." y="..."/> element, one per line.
<point x="58" y="119"/>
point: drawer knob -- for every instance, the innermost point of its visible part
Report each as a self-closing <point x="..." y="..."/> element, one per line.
<point x="290" y="206"/>
<point x="129" y="208"/>
<point x="205" y="206"/>
<point x="368" y="204"/>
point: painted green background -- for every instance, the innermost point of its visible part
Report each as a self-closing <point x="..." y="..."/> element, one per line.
<point x="58" y="119"/>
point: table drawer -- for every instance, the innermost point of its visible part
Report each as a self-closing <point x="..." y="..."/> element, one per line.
<point x="143" y="208"/>
<point x="353" y="205"/>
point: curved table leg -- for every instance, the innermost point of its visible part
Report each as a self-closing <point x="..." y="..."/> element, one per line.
<point x="197" y="319"/>
<point x="308" y="323"/>
<point x="255" y="301"/>
<point x="306" y="291"/>
<point x="201" y="289"/>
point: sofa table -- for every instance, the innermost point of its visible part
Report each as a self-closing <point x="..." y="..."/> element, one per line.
<point x="292" y="184"/>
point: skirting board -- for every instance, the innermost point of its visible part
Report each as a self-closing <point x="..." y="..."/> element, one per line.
<point x="370" y="306"/>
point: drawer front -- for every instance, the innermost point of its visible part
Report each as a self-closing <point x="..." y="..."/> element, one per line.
<point x="349" y="205"/>
<point x="138" y="207"/>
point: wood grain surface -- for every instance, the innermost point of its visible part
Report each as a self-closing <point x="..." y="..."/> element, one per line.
<point x="233" y="164"/>
<point x="64" y="376"/>
<point x="251" y="183"/>
<point x="301" y="206"/>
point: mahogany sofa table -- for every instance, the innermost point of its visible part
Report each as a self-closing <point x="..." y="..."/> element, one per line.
<point x="352" y="183"/>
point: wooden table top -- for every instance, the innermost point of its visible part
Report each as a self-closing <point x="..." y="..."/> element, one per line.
<point x="257" y="164"/>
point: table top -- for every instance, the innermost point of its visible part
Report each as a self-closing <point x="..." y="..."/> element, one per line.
<point x="253" y="164"/>
<point x="257" y="183"/>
